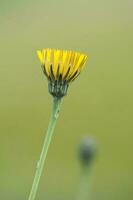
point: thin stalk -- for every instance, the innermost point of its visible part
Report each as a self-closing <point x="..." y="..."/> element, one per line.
<point x="41" y="162"/>
<point x="84" y="190"/>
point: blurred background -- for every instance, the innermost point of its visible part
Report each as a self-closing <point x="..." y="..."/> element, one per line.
<point x="98" y="104"/>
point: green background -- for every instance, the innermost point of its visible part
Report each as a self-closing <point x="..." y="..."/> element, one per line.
<point x="99" y="104"/>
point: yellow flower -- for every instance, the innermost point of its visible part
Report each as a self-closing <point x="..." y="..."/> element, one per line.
<point x="61" y="67"/>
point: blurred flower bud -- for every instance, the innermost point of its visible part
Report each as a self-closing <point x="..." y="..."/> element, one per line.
<point x="87" y="151"/>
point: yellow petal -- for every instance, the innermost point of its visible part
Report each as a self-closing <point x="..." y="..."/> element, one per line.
<point x="64" y="55"/>
<point x="82" y="64"/>
<point x="75" y="59"/>
<point x="45" y="53"/>
<point x="66" y="64"/>
<point x="77" y="63"/>
<point x="40" y="56"/>
<point x="56" y="61"/>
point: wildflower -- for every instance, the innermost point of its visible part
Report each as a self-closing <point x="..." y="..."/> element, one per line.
<point x="61" y="68"/>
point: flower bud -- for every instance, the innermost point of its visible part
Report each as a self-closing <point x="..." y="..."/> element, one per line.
<point x="87" y="151"/>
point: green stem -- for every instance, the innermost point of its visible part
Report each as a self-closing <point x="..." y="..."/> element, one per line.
<point x="84" y="190"/>
<point x="40" y="164"/>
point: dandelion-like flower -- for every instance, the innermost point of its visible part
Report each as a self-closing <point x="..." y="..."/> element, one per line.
<point x="61" y="68"/>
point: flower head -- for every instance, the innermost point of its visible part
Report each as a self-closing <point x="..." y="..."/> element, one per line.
<point x="87" y="151"/>
<point x="61" y="68"/>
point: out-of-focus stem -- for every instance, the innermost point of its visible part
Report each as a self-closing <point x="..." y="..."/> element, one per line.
<point x="84" y="190"/>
